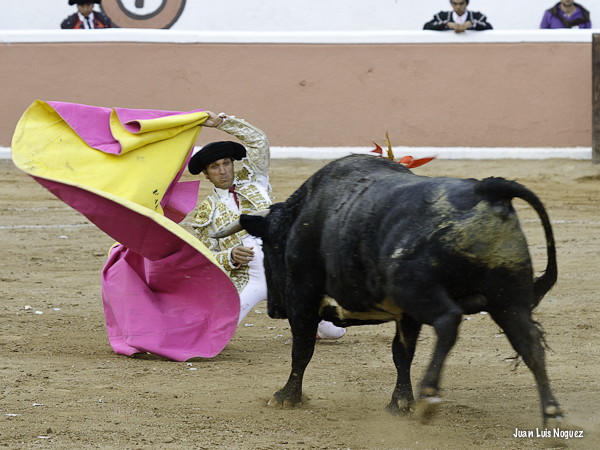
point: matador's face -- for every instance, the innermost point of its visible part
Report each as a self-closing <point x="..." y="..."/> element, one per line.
<point x="220" y="173"/>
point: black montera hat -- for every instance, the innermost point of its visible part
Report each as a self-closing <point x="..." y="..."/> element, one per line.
<point x="213" y="152"/>
<point x="73" y="2"/>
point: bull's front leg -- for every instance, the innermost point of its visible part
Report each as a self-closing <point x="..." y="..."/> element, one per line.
<point x="304" y="335"/>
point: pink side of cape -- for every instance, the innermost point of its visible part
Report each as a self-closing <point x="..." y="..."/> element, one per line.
<point x="130" y="117"/>
<point x="92" y="123"/>
<point x="180" y="199"/>
<point x="160" y="294"/>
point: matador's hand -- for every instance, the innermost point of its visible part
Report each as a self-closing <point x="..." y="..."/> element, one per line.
<point x="213" y="120"/>
<point x="242" y="255"/>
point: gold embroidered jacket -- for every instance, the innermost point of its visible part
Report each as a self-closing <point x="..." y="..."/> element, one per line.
<point x="253" y="191"/>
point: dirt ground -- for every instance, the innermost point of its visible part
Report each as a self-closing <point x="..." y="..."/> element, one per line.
<point x="61" y="385"/>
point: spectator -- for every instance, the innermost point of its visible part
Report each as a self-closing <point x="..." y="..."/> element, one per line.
<point x="459" y="20"/>
<point x="86" y="18"/>
<point x="566" y="14"/>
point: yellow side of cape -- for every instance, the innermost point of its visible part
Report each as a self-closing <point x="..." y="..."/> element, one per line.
<point x="51" y="149"/>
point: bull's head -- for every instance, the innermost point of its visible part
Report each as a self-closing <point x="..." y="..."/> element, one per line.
<point x="260" y="224"/>
<point x="256" y="222"/>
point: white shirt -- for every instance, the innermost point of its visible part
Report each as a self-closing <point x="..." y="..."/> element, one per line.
<point x="88" y="23"/>
<point x="460" y="19"/>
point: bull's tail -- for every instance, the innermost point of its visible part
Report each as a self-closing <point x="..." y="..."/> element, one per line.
<point x="498" y="189"/>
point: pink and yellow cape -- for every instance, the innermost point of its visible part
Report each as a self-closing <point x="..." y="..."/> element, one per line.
<point x="163" y="291"/>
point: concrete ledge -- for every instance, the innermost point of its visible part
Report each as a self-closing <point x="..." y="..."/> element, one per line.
<point x="584" y="153"/>
<point x="295" y="37"/>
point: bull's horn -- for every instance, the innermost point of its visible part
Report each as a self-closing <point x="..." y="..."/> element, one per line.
<point x="236" y="226"/>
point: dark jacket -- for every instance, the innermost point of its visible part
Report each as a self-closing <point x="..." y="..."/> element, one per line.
<point x="73" y="23"/>
<point x="441" y="19"/>
<point x="585" y="16"/>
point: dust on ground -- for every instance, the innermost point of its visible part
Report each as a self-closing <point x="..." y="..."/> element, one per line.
<point x="61" y="385"/>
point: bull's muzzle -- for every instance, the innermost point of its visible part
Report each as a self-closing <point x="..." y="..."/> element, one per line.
<point x="236" y="226"/>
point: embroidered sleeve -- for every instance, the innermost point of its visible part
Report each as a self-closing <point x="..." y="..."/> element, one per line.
<point x="222" y="257"/>
<point x="201" y="225"/>
<point x="438" y="23"/>
<point x="69" y="23"/>
<point x="104" y="19"/>
<point x="256" y="143"/>
<point x="480" y="22"/>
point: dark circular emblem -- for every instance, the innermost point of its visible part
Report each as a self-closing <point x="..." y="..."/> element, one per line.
<point x="159" y="14"/>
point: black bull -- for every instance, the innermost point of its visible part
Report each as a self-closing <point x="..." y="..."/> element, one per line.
<point x="391" y="245"/>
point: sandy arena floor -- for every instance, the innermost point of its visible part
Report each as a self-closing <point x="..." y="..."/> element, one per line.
<point x="61" y="385"/>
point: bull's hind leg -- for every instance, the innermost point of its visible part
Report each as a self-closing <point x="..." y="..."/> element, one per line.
<point x="446" y="326"/>
<point x="403" y="349"/>
<point x="526" y="339"/>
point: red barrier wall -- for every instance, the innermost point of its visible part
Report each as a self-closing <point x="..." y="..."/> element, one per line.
<point x="471" y="94"/>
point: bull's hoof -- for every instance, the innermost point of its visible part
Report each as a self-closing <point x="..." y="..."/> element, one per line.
<point x="273" y="402"/>
<point x="395" y="410"/>
<point x="554" y="413"/>
<point x="429" y="392"/>
<point x="427" y="407"/>
<point x="286" y="404"/>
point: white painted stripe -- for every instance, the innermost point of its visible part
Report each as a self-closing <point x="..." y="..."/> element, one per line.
<point x="40" y="208"/>
<point x="19" y="227"/>
<point x="420" y="152"/>
<point x="295" y="37"/>
<point x="440" y="152"/>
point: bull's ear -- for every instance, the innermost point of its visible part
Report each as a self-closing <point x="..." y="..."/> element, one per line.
<point x="255" y="225"/>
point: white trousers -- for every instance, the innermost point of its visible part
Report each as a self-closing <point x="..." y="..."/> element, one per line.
<point x="256" y="290"/>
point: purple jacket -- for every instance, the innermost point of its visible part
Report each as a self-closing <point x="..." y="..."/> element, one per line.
<point x="556" y="18"/>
